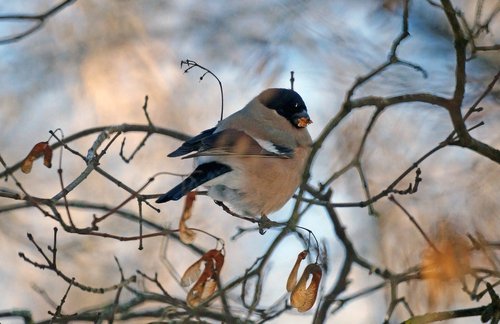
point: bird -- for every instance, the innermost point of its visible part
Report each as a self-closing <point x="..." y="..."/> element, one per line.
<point x="252" y="160"/>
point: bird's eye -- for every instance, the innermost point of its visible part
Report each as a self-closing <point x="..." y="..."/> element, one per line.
<point x="296" y="104"/>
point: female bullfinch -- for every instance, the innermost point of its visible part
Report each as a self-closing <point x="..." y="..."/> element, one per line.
<point x="254" y="159"/>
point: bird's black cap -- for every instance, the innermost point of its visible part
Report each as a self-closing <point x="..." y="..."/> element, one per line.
<point x="288" y="104"/>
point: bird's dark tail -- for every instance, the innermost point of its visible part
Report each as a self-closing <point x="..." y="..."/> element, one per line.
<point x="203" y="173"/>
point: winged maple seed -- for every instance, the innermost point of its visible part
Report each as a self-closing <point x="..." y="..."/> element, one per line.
<point x="42" y="148"/>
<point x="186" y="234"/>
<point x="303" y="297"/>
<point x="192" y="273"/>
<point x="206" y="279"/>
<point x="202" y="290"/>
<point x="292" y="278"/>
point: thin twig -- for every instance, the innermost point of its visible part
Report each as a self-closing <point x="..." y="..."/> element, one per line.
<point x="49" y="265"/>
<point x="191" y="64"/>
<point x="412" y="219"/>
<point x="144" y="139"/>
<point x="39" y="19"/>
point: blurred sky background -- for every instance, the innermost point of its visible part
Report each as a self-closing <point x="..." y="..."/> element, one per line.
<point x="93" y="63"/>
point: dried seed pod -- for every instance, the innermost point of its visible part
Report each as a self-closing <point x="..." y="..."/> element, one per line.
<point x="186" y="234"/>
<point x="42" y="148"/>
<point x="292" y="278"/>
<point x="192" y="273"/>
<point x="206" y="283"/>
<point x="303" y="297"/>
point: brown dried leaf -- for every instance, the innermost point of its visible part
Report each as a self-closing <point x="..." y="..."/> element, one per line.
<point x="186" y="234"/>
<point x="38" y="150"/>
<point x="292" y="277"/>
<point x="192" y="273"/>
<point x="302" y="297"/>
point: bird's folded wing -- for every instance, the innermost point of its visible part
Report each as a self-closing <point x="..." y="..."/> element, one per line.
<point x="231" y="142"/>
<point x="193" y="144"/>
<point x="203" y="173"/>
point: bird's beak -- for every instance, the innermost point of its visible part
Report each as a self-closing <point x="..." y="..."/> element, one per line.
<point x="301" y="119"/>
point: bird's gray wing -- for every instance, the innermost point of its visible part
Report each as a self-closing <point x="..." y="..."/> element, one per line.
<point x="232" y="142"/>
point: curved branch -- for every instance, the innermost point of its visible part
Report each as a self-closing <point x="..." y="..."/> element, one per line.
<point x="124" y="128"/>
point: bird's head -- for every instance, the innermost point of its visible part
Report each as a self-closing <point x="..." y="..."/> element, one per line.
<point x="288" y="104"/>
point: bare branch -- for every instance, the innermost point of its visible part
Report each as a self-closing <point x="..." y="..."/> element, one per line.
<point x="38" y="19"/>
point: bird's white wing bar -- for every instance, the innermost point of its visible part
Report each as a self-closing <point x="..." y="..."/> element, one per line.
<point x="232" y="142"/>
<point x="280" y="150"/>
